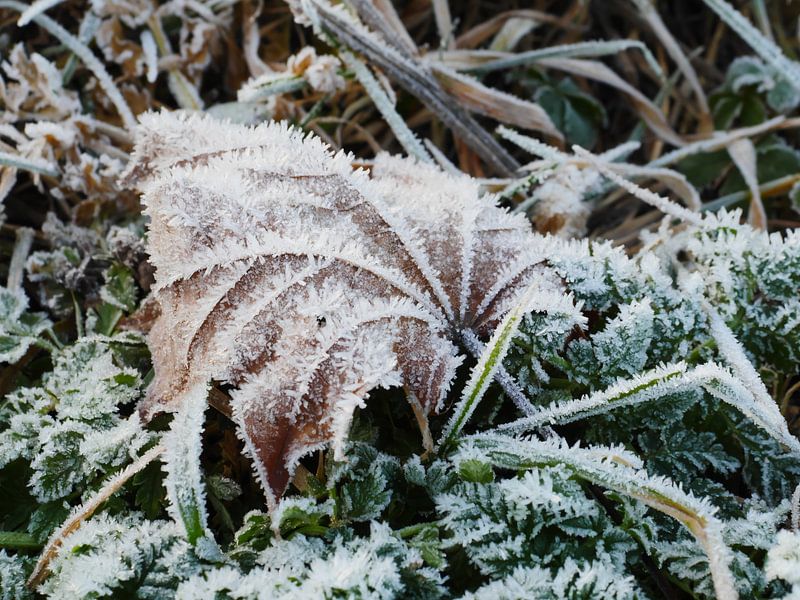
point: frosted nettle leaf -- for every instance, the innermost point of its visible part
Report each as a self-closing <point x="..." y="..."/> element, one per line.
<point x="597" y="579"/>
<point x="88" y="384"/>
<point x="622" y="346"/>
<point x="111" y="554"/>
<point x="59" y="466"/>
<point x="304" y="284"/>
<point x="19" y="329"/>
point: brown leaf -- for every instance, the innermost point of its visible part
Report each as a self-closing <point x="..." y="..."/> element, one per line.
<point x="303" y="284"/>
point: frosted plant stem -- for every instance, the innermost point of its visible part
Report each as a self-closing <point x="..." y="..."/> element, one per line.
<point x="27" y="164"/>
<point x="422" y="422"/>
<point x="404" y="135"/>
<point x="444" y="23"/>
<point x="444" y="163"/>
<point x="491" y="359"/>
<point x="150" y="54"/>
<point x="721" y="140"/>
<point x="796" y="509"/>
<point x="180" y="87"/>
<point x="533" y="146"/>
<point x="588" y="49"/>
<point x="653" y="18"/>
<point x="656" y="384"/>
<point x="760" y="13"/>
<point x="503" y="377"/>
<point x="733" y="352"/>
<point x="663" y="204"/>
<point x="89" y="26"/>
<point x="35" y="9"/>
<point x="269" y="85"/>
<point x="86" y="510"/>
<point x="89" y="59"/>
<point x="16" y="267"/>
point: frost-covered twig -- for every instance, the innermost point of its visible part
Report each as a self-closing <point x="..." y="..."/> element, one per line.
<point x="28" y="164"/>
<point x="404" y="135"/>
<point x="665" y="205"/>
<point x="16" y="267"/>
<point x="86" y="510"/>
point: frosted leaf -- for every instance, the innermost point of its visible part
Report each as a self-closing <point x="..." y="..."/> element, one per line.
<point x="19" y="329"/>
<point x="115" y="446"/>
<point x="304" y="284"/>
<point x="13" y="572"/>
<point x="108" y="555"/>
<point x="88" y="384"/>
<point x="21" y="437"/>
<point x="376" y="567"/>
<point x="320" y="71"/>
<point x="611" y="468"/>
<point x="783" y="559"/>
<point x="622" y="346"/>
<point x="68" y="428"/>
<point x="574" y="580"/>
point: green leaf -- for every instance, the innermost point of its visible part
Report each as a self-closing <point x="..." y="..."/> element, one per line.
<point x="255" y="533"/>
<point x="120" y="288"/>
<point x="46" y="518"/>
<point x="18" y="540"/>
<point x="725" y="109"/>
<point x="304" y="516"/>
<point x="429" y="545"/>
<point x="476" y="471"/>
<point x="150" y="492"/>
<point x="703" y="169"/>
<point x="576" y="114"/>
<point x="105" y="319"/>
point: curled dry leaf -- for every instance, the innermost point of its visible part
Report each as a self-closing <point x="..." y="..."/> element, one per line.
<point x="304" y="284"/>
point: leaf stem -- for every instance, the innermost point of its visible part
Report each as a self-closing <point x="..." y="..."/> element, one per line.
<point x="18" y="540"/>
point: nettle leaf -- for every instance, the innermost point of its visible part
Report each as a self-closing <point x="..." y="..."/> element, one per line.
<point x="304" y="284"/>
